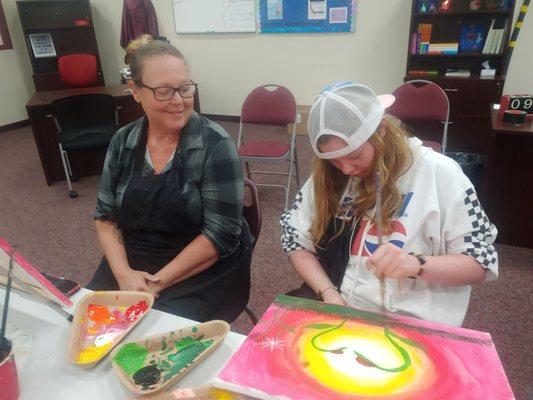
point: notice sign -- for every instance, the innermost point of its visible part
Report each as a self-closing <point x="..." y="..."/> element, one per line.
<point x="42" y="45"/>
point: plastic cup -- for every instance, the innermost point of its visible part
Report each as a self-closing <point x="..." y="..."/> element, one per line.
<point x="9" y="382"/>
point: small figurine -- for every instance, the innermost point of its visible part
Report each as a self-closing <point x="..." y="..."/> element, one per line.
<point x="446" y="5"/>
<point x="475" y="5"/>
<point x="432" y="6"/>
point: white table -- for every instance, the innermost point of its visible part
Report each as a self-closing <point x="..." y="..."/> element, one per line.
<point x="48" y="375"/>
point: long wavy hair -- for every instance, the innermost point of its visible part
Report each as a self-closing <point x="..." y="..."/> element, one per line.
<point x="392" y="159"/>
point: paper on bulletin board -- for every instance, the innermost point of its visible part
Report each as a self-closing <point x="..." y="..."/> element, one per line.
<point x="42" y="45"/>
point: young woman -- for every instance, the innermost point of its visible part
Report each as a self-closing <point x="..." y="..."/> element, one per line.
<point x="437" y="240"/>
<point x="169" y="209"/>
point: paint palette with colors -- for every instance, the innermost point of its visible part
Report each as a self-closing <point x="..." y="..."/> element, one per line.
<point x="153" y="363"/>
<point x="102" y="319"/>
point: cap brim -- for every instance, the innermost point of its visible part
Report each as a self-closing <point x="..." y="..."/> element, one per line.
<point x="386" y="100"/>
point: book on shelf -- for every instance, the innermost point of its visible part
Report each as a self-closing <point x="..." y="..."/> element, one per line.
<point x="443" y="48"/>
<point x="423" y="38"/>
<point x="423" y="73"/>
<point x="457" y="73"/>
<point x="472" y="38"/>
<point x="495" y="37"/>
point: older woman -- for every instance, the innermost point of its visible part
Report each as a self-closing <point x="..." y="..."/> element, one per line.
<point x="169" y="209"/>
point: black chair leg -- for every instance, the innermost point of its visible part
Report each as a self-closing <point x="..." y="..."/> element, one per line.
<point x="251" y="314"/>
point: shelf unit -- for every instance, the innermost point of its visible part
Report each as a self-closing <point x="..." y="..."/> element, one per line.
<point x="58" y="18"/>
<point x="469" y="97"/>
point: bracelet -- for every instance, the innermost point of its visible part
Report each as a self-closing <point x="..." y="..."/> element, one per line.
<point x="320" y="293"/>
<point x="422" y="260"/>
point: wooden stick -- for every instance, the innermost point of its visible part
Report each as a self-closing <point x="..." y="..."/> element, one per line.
<point x="8" y="291"/>
<point x="379" y="228"/>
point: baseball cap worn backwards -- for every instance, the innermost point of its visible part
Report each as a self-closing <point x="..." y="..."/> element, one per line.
<point x="348" y="111"/>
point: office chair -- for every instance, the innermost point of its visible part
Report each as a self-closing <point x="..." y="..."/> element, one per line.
<point x="270" y="105"/>
<point x="85" y="121"/>
<point x="78" y="70"/>
<point x="252" y="215"/>
<point x="421" y="100"/>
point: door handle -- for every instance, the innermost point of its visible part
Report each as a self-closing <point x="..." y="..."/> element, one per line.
<point x="451" y="90"/>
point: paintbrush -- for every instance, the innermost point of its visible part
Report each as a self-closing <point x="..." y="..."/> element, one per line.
<point x="4" y="343"/>
<point x="379" y="227"/>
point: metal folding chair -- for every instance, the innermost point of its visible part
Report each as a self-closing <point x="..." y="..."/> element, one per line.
<point x="270" y="105"/>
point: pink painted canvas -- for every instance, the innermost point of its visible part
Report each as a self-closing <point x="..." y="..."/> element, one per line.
<point x="304" y="349"/>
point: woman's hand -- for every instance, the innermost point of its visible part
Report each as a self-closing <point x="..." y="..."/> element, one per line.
<point x="136" y="280"/>
<point x="334" y="297"/>
<point x="389" y="261"/>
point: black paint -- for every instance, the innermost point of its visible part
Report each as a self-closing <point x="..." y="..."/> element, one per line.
<point x="147" y="376"/>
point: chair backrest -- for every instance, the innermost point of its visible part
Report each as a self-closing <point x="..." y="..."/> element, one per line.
<point x="269" y="104"/>
<point x="421" y="100"/>
<point x="84" y="110"/>
<point x="78" y="70"/>
<point x="252" y="212"/>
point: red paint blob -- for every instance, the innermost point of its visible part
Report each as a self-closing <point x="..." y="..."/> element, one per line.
<point x="135" y="311"/>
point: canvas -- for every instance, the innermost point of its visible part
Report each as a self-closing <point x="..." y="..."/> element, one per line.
<point x="303" y="349"/>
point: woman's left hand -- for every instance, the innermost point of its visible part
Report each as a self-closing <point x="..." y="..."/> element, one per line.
<point x="389" y="261"/>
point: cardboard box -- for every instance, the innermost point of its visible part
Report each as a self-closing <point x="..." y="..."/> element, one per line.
<point x="301" y="121"/>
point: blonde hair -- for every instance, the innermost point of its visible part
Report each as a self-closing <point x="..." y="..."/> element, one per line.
<point x="134" y="45"/>
<point x="391" y="159"/>
<point x="144" y="47"/>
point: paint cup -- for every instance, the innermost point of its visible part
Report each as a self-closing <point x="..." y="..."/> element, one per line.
<point x="9" y="382"/>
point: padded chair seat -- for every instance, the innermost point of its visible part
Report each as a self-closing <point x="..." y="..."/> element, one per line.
<point x="87" y="138"/>
<point x="264" y="149"/>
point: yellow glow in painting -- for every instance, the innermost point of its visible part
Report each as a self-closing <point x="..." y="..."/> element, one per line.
<point x="343" y="372"/>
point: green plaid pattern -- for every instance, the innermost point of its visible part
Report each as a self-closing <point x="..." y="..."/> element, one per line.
<point x="211" y="181"/>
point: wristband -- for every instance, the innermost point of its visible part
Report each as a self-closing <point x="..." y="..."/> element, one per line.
<point x="320" y="293"/>
<point x="422" y="260"/>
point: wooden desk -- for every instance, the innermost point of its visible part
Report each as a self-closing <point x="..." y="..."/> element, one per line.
<point x="85" y="162"/>
<point x="508" y="188"/>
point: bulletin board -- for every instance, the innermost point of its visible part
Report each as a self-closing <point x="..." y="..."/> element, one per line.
<point x="211" y="16"/>
<point x="287" y="16"/>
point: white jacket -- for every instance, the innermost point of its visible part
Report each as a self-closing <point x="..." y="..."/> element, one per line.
<point x="440" y="214"/>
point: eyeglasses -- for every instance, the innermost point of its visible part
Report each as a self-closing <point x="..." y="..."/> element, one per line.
<point x="163" y="93"/>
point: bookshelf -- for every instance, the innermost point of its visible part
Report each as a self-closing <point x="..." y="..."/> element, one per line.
<point x="457" y="40"/>
<point x="69" y="24"/>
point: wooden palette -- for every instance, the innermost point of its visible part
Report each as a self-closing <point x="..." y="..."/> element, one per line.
<point x="153" y="363"/>
<point x="101" y="320"/>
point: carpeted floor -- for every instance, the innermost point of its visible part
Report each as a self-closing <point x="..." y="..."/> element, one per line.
<point x="56" y="234"/>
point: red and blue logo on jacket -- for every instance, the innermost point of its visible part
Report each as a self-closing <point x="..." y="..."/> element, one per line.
<point x="397" y="235"/>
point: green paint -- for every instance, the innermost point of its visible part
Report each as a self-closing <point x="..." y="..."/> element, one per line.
<point x="194" y="329"/>
<point x="329" y="328"/>
<point x="163" y="344"/>
<point x="188" y="350"/>
<point x="131" y="357"/>
<point x="392" y="337"/>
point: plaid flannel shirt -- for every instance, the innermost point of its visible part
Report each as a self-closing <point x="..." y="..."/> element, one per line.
<point x="211" y="181"/>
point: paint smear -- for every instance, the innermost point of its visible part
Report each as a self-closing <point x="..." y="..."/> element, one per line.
<point x="93" y="353"/>
<point x="131" y="357"/>
<point x="135" y="311"/>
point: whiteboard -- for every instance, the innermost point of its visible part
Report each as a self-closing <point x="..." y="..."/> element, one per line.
<point x="206" y="16"/>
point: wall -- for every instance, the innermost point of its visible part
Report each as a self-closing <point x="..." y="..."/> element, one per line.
<point x="228" y="66"/>
<point x="16" y="85"/>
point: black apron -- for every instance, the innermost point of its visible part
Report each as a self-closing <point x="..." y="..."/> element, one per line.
<point x="156" y="228"/>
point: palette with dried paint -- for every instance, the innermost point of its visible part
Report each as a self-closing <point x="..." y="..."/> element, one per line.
<point x="102" y="319"/>
<point x="150" y="364"/>
<point x="303" y="349"/>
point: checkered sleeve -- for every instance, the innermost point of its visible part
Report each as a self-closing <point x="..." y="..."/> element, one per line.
<point x="222" y="189"/>
<point x="469" y="231"/>
<point x="296" y="221"/>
